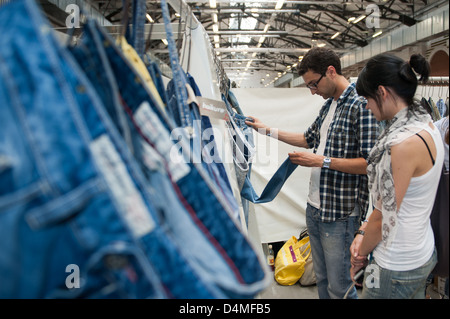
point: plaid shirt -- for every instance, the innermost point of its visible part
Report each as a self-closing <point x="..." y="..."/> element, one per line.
<point x="352" y="134"/>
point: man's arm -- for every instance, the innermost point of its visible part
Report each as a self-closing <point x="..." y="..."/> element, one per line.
<point x="345" y="165"/>
<point x="294" y="139"/>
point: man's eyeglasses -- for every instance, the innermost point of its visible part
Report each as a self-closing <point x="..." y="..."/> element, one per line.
<point x="314" y="85"/>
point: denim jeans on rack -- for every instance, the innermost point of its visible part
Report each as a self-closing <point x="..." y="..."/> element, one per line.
<point x="209" y="208"/>
<point x="156" y="75"/>
<point x="137" y="36"/>
<point x="243" y="150"/>
<point x="234" y="102"/>
<point x="203" y="142"/>
<point x="205" y="258"/>
<point x="248" y="153"/>
<point x="208" y="138"/>
<point x="169" y="213"/>
<point x="219" y="265"/>
<point x="60" y="232"/>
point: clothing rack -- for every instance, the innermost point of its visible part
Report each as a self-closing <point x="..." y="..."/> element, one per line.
<point x="434" y="96"/>
<point x="437" y="81"/>
<point x="435" y="87"/>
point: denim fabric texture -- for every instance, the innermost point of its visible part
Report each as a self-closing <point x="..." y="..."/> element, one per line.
<point x="156" y="135"/>
<point x="53" y="196"/>
<point x="86" y="184"/>
<point x="382" y="283"/>
<point x="272" y="188"/>
<point x="330" y="248"/>
<point x="169" y="213"/>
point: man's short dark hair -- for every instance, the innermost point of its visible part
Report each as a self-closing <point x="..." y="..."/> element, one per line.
<point x="318" y="60"/>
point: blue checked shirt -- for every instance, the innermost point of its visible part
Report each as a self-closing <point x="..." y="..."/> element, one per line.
<point x="352" y="134"/>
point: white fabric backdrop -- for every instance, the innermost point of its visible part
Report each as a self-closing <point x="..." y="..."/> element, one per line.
<point x="289" y="109"/>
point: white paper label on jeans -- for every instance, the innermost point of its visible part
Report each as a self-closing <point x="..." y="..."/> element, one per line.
<point x="131" y="204"/>
<point x="158" y="135"/>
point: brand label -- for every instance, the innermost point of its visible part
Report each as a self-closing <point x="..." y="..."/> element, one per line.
<point x="131" y="204"/>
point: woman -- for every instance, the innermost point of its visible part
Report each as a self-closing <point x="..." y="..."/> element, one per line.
<point x="403" y="169"/>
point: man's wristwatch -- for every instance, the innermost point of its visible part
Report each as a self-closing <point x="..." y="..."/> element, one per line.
<point x="359" y="232"/>
<point x="326" y="162"/>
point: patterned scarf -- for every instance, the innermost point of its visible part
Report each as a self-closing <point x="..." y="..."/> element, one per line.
<point x="379" y="170"/>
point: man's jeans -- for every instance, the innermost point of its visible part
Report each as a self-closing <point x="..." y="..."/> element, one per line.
<point x="330" y="248"/>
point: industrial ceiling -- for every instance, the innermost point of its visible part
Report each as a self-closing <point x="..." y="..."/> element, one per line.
<point x="273" y="35"/>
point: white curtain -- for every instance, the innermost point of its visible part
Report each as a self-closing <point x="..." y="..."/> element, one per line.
<point x="289" y="109"/>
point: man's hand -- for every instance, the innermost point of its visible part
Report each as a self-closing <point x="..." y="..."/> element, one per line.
<point x="306" y="159"/>
<point x="259" y="126"/>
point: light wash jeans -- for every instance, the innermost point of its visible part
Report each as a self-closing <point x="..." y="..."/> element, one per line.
<point x="330" y="248"/>
<point x="382" y="283"/>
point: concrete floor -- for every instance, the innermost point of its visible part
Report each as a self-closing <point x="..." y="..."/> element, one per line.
<point x="277" y="291"/>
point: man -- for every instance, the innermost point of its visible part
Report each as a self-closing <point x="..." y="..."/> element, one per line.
<point x="341" y="138"/>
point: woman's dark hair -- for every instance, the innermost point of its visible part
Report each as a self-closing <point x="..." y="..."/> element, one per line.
<point x="318" y="60"/>
<point x="393" y="73"/>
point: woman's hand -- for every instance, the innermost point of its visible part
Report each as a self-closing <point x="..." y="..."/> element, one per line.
<point x="357" y="261"/>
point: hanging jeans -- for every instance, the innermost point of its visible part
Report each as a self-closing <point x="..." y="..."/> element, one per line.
<point x="235" y="278"/>
<point x="172" y="216"/>
<point x="204" y="257"/>
<point x="272" y="188"/>
<point x="61" y="232"/>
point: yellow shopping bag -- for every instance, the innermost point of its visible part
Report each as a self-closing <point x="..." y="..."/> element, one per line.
<point x="291" y="260"/>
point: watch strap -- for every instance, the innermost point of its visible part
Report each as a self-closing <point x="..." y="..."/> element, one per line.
<point x="359" y="232"/>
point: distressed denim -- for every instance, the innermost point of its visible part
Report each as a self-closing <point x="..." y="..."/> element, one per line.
<point x="207" y="222"/>
<point x="382" y="283"/>
<point x="56" y="208"/>
<point x="168" y="212"/>
<point x="330" y="248"/>
<point x="272" y="188"/>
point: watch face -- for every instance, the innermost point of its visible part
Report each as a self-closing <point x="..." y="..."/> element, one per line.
<point x="326" y="162"/>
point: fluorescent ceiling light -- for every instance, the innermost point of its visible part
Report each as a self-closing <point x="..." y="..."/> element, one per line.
<point x="377" y="34"/>
<point x="215" y="19"/>
<point x="165" y="41"/>
<point x="215" y="28"/>
<point x="212" y="3"/>
<point x="359" y="18"/>
<point x="149" y="18"/>
<point x="279" y="4"/>
<point x="335" y="35"/>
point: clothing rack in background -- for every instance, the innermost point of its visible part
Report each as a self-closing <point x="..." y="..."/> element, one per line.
<point x="434" y="96"/>
<point x="437" y="80"/>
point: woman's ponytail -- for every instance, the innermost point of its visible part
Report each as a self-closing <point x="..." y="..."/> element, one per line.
<point x="420" y="65"/>
<point x="394" y="73"/>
